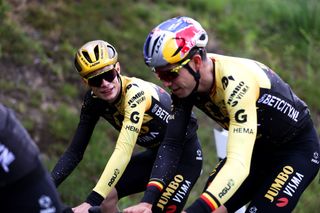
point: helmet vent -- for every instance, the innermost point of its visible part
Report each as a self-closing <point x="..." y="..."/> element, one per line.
<point x="155" y="44"/>
<point x="96" y="52"/>
<point x="203" y="37"/>
<point x="86" y="55"/>
<point x="77" y="65"/>
<point x="111" y="52"/>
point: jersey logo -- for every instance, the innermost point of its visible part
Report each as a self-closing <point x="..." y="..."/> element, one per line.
<point x="176" y="190"/>
<point x="240" y="117"/>
<point x="136" y="99"/>
<point x="239" y="91"/>
<point x="315" y="158"/>
<point x="293" y="184"/>
<point x="171" y="209"/>
<point x="46" y="204"/>
<point x="114" y="176"/>
<point x="280" y="104"/>
<point x="6" y="158"/>
<point x="225" y="81"/>
<point x="226" y="188"/>
<point x="282" y="202"/>
<point x="279" y="182"/>
<point x="134" y="117"/>
<point x="199" y="154"/>
<point x="151" y="136"/>
<point x="160" y="113"/>
<point x="253" y="209"/>
<point x="130" y="86"/>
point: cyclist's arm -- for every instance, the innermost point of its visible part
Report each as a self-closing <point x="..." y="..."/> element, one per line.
<point x="133" y="118"/>
<point x="74" y="153"/>
<point x="241" y="138"/>
<point x="170" y="149"/>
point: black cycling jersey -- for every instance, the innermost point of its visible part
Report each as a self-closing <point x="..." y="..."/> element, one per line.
<point x="18" y="152"/>
<point x="25" y="185"/>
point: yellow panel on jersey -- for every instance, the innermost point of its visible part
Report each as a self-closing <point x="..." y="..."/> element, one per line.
<point x="135" y="101"/>
<point x="238" y="82"/>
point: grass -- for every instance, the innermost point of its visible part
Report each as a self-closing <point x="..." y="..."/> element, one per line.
<point x="45" y="35"/>
<point x="63" y="121"/>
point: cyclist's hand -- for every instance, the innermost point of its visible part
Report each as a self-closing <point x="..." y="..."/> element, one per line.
<point x="139" y="208"/>
<point x="82" y="208"/>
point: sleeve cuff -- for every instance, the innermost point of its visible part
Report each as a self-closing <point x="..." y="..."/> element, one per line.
<point x="199" y="206"/>
<point x="94" y="199"/>
<point x="151" y="194"/>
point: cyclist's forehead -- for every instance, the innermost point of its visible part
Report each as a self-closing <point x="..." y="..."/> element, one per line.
<point x="166" y="67"/>
<point x="99" y="71"/>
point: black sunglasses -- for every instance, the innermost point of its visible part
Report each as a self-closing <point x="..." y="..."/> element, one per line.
<point x="97" y="80"/>
<point x="170" y="73"/>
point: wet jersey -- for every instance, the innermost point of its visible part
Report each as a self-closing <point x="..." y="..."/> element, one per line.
<point x="18" y="153"/>
<point x="140" y="114"/>
<point x="253" y="103"/>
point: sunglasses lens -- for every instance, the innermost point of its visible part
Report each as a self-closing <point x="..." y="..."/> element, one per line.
<point x="169" y="73"/>
<point x="110" y="75"/>
<point x="97" y="81"/>
<point x="167" y="76"/>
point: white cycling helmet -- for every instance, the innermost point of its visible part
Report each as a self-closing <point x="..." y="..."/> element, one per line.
<point x="95" y="55"/>
<point x="172" y="40"/>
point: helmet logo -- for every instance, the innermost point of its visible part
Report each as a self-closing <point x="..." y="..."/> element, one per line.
<point x="172" y="40"/>
<point x="83" y="60"/>
<point x="159" y="43"/>
<point x="95" y="63"/>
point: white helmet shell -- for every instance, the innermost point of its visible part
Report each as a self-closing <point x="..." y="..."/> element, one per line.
<point x="171" y="41"/>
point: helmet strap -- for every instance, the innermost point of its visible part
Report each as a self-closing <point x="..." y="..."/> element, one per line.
<point x="120" y="82"/>
<point x="196" y="76"/>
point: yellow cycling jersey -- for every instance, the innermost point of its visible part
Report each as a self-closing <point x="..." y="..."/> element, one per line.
<point x="140" y="114"/>
<point x="248" y="99"/>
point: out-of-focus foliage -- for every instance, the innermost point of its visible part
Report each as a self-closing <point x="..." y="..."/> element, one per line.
<point x="38" y="40"/>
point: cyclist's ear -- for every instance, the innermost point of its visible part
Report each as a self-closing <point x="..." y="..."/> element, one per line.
<point x="197" y="61"/>
<point x="85" y="81"/>
<point x="118" y="67"/>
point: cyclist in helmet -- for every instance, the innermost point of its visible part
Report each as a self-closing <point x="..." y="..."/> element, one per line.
<point x="140" y="111"/>
<point x="25" y="184"/>
<point x="273" y="147"/>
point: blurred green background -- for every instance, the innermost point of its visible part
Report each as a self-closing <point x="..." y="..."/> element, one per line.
<point x="38" y="40"/>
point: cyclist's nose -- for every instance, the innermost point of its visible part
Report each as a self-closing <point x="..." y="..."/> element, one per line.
<point x="104" y="83"/>
<point x="166" y="83"/>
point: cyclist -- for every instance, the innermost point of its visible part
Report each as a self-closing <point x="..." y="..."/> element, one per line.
<point x="273" y="147"/>
<point x="25" y="184"/>
<point x="139" y="110"/>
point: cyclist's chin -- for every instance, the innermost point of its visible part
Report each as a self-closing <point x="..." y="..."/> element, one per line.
<point x="109" y="96"/>
<point x="181" y="93"/>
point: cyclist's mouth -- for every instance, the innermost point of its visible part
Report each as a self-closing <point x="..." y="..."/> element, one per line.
<point x="174" y="90"/>
<point x="106" y="91"/>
